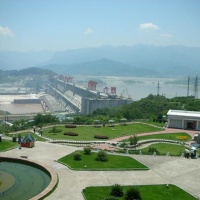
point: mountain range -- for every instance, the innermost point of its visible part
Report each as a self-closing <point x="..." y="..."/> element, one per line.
<point x="137" y="60"/>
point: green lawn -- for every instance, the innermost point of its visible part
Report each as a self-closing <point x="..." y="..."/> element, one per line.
<point x="148" y="192"/>
<point x="88" y="132"/>
<point x="115" y="162"/>
<point x="7" y="144"/>
<point x="163" y="148"/>
<point x="167" y="136"/>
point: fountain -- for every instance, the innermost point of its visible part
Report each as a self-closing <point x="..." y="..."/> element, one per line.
<point x="21" y="179"/>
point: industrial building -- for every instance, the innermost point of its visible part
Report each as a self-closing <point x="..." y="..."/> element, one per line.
<point x="184" y="119"/>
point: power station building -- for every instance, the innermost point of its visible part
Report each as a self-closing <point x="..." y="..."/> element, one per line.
<point x="184" y="119"/>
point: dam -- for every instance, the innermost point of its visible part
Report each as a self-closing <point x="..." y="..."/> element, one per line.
<point x="78" y="99"/>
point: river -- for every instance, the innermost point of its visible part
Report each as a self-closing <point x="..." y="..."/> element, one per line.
<point x="140" y="87"/>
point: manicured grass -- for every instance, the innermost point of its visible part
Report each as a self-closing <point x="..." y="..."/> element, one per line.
<point x="88" y="132"/>
<point x="7" y="144"/>
<point x="115" y="162"/>
<point x="164" y="148"/>
<point x="167" y="136"/>
<point x="148" y="192"/>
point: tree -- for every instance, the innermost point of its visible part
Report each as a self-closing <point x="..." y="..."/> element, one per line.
<point x="102" y="156"/>
<point x="133" y="194"/>
<point x="134" y="140"/>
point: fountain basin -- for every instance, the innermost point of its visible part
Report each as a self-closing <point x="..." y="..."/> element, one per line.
<point x="22" y="179"/>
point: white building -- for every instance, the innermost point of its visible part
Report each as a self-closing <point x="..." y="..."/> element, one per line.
<point x="184" y="119"/>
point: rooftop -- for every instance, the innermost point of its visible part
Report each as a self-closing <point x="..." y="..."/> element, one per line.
<point x="183" y="113"/>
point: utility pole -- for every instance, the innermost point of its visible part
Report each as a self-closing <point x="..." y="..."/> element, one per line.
<point x="188" y="88"/>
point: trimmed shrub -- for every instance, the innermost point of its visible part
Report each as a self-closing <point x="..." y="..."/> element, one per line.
<point x="102" y="156"/>
<point x="116" y="190"/>
<point x="101" y="137"/>
<point x="71" y="134"/>
<point x="70" y="126"/>
<point x="77" y="156"/>
<point x="87" y="150"/>
<point x="132" y="194"/>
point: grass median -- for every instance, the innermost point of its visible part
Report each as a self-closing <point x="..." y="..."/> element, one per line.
<point x="148" y="192"/>
<point x="90" y="162"/>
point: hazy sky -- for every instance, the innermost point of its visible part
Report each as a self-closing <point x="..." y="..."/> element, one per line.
<point x="67" y="24"/>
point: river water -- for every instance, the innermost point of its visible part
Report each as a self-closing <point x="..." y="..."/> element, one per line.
<point x="140" y="87"/>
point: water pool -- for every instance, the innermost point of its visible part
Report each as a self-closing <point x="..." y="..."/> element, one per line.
<point x="22" y="180"/>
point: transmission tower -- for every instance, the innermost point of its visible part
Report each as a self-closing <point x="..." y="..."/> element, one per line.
<point x="196" y="88"/>
<point x="158" y="89"/>
<point x="188" y="88"/>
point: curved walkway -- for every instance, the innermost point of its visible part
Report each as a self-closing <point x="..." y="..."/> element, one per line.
<point x="163" y="170"/>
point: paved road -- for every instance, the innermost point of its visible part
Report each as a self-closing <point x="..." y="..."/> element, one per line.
<point x="163" y="170"/>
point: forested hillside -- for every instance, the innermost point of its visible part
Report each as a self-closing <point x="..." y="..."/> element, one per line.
<point x="152" y="107"/>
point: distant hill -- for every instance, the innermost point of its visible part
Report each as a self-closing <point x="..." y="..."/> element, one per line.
<point x="137" y="60"/>
<point x="102" y="67"/>
<point x="27" y="71"/>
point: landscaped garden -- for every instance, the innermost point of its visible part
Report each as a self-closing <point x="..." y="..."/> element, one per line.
<point x="144" y="192"/>
<point x="80" y="160"/>
<point x="88" y="132"/>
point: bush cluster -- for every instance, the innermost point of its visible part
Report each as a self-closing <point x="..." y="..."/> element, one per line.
<point x="70" y="126"/>
<point x="101" y="137"/>
<point x="71" y="134"/>
<point x="132" y="193"/>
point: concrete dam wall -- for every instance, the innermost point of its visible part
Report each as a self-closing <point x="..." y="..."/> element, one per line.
<point x="83" y="100"/>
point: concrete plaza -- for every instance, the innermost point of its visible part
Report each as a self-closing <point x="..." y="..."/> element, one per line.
<point x="163" y="170"/>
